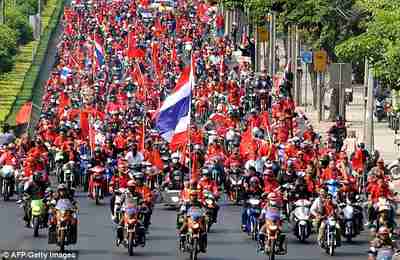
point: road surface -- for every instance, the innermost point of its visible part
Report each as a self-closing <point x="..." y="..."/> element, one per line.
<point x="96" y="237"/>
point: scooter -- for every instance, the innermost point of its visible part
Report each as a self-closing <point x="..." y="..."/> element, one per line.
<point x="380" y="108"/>
<point x="301" y="214"/>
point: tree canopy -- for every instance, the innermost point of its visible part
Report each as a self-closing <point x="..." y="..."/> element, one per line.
<point x="380" y="43"/>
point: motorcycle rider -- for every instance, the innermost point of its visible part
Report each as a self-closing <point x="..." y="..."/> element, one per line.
<point x="271" y="215"/>
<point x="147" y="197"/>
<point x="131" y="196"/>
<point x="329" y="209"/>
<point x="380" y="171"/>
<point x="35" y="188"/>
<point x="339" y="132"/>
<point x="382" y="240"/>
<point x="205" y="183"/>
<point x="288" y="177"/>
<point x="378" y="190"/>
<point x="253" y="188"/>
<point x="133" y="157"/>
<point x="195" y="203"/>
<point x="316" y="209"/>
<point x="174" y="172"/>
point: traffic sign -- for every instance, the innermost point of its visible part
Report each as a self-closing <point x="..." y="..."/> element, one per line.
<point x="263" y="34"/>
<point x="307" y="57"/>
<point x="320" y="61"/>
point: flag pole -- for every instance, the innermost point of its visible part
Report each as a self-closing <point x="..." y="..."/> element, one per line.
<point x="191" y="74"/>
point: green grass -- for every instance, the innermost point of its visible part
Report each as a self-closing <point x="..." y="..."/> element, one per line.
<point x="16" y="87"/>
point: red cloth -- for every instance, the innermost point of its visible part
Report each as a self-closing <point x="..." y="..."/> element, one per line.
<point x="24" y="114"/>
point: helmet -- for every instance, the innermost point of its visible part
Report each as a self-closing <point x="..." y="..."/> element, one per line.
<point x="36" y="176"/>
<point x="205" y="172"/>
<point x="131" y="183"/>
<point x="361" y="145"/>
<point x="322" y="192"/>
<point x="254" y="180"/>
<point x="49" y="190"/>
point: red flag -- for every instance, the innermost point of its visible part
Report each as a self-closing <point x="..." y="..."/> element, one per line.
<point x="155" y="53"/>
<point x="63" y="101"/>
<point x="138" y="76"/>
<point x="156" y="160"/>
<point x="24" y="114"/>
<point x="131" y="44"/>
<point x="247" y="146"/>
<point x="84" y="121"/>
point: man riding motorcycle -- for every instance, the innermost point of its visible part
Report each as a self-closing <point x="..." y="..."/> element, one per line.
<point x="206" y="184"/>
<point x="195" y="203"/>
<point x="271" y="215"/>
<point x="147" y="197"/>
<point x="35" y="188"/>
<point x="382" y="240"/>
<point x="329" y="209"/>
<point x="131" y="196"/>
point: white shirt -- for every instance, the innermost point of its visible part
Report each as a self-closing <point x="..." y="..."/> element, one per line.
<point x="138" y="158"/>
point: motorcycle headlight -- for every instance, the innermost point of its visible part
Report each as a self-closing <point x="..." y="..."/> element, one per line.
<point x="196" y="225"/>
<point x="302" y="223"/>
<point x="273" y="227"/>
<point x="175" y="199"/>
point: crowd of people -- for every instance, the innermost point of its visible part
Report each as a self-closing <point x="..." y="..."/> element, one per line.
<point x="118" y="61"/>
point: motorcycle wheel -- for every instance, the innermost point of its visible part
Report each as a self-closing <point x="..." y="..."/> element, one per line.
<point x="193" y="254"/>
<point x="97" y="196"/>
<point x="302" y="235"/>
<point x="5" y="192"/>
<point x="61" y="242"/>
<point x="271" y="254"/>
<point x="35" y="223"/>
<point x="130" y="244"/>
<point x="349" y="235"/>
<point x="395" y="172"/>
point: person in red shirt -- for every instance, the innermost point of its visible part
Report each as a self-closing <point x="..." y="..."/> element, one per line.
<point x="329" y="210"/>
<point x="270" y="181"/>
<point x="330" y="173"/>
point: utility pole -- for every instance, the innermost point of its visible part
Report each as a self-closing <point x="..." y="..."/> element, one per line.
<point x="297" y="67"/>
<point x="365" y="99"/>
<point x="370" y="110"/>
<point x="257" y="50"/>
<point x="272" y="45"/>
<point x="289" y="45"/>
<point x="319" y="98"/>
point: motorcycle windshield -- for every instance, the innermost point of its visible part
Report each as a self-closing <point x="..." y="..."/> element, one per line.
<point x="64" y="204"/>
<point x="384" y="254"/>
<point x="302" y="213"/>
<point x="273" y="215"/>
<point x="348" y="212"/>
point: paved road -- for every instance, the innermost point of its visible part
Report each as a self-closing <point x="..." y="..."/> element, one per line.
<point x="96" y="237"/>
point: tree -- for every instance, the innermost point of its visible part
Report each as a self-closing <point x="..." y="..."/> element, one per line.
<point x="19" y="22"/>
<point x="8" y="48"/>
<point x="380" y="43"/>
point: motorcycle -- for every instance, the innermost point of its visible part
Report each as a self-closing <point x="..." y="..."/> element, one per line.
<point x="350" y="227"/>
<point x="210" y="210"/>
<point x="271" y="243"/>
<point x="85" y="165"/>
<point x="380" y="108"/>
<point x="98" y="184"/>
<point x="253" y="212"/>
<point x="330" y="236"/>
<point x="59" y="163"/>
<point x="69" y="175"/>
<point x="37" y="213"/>
<point x="7" y="185"/>
<point x="287" y="197"/>
<point x="65" y="232"/>
<point x="236" y="189"/>
<point x="191" y="243"/>
<point x="301" y="215"/>
<point x="131" y="223"/>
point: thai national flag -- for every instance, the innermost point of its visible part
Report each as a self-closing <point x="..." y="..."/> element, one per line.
<point x="99" y="51"/>
<point x="173" y="119"/>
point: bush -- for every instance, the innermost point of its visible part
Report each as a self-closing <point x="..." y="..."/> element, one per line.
<point x="28" y="7"/>
<point x="8" y="48"/>
<point x="17" y="21"/>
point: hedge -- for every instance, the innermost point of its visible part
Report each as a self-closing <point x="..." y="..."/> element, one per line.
<point x="24" y="78"/>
